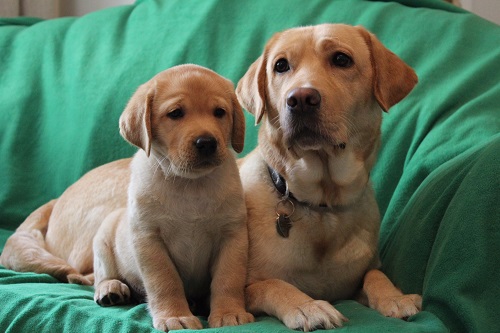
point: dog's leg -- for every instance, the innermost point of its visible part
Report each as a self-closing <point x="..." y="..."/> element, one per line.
<point x="87" y="280"/>
<point x="294" y="308"/>
<point x="228" y="283"/>
<point x="25" y="250"/>
<point x="164" y="288"/>
<point x="384" y="297"/>
<point x="109" y="290"/>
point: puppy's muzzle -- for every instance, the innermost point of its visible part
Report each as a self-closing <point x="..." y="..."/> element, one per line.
<point x="303" y="101"/>
<point x="206" y="146"/>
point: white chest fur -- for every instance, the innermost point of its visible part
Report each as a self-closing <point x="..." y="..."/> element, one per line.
<point x="328" y="250"/>
<point x="191" y="217"/>
<point x="327" y="177"/>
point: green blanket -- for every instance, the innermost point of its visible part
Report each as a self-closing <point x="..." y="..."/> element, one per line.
<point x="64" y="83"/>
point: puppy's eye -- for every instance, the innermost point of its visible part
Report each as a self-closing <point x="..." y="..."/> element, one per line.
<point x="341" y="59"/>
<point x="219" y="113"/>
<point x="175" y="114"/>
<point x="281" y="66"/>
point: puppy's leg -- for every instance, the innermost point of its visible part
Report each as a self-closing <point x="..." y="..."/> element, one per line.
<point x="87" y="280"/>
<point x="294" y="308"/>
<point x="109" y="290"/>
<point x="384" y="297"/>
<point x="164" y="288"/>
<point x="227" y="302"/>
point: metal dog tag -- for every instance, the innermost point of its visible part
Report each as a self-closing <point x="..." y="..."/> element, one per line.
<point x="283" y="225"/>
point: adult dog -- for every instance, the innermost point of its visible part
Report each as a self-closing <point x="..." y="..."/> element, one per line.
<point x="174" y="216"/>
<point x="312" y="216"/>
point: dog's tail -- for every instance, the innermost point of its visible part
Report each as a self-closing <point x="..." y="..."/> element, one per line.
<point x="25" y="250"/>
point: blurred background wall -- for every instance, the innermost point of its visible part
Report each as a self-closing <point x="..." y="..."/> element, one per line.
<point x="489" y="9"/>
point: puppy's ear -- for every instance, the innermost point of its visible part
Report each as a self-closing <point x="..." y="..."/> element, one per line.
<point x="392" y="78"/>
<point x="251" y="89"/>
<point x="135" y="121"/>
<point x="238" y="135"/>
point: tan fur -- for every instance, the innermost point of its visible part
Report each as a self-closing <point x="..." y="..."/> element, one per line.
<point x="169" y="224"/>
<point x="329" y="249"/>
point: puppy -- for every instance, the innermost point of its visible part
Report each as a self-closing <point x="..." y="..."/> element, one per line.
<point x="312" y="216"/>
<point x="168" y="225"/>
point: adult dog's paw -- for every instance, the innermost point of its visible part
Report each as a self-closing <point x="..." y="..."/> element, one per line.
<point x="166" y="324"/>
<point x="112" y="292"/>
<point x="314" y="315"/>
<point x="402" y="306"/>
<point x="229" y="319"/>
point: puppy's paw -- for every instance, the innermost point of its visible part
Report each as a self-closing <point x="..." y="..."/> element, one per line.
<point x="314" y="315"/>
<point x="220" y="319"/>
<point x="398" y="306"/>
<point x="166" y="324"/>
<point x="112" y="292"/>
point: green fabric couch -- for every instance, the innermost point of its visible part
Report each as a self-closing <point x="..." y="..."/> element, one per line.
<point x="64" y="83"/>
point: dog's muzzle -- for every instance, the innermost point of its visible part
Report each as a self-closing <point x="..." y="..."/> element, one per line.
<point x="301" y="124"/>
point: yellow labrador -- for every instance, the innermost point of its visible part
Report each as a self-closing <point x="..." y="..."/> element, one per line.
<point x="312" y="216"/>
<point x="170" y="223"/>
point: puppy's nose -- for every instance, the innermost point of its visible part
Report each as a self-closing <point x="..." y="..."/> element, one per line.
<point x="303" y="100"/>
<point x="206" y="145"/>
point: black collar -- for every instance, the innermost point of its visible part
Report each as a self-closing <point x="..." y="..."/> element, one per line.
<point x="280" y="183"/>
<point x="282" y="187"/>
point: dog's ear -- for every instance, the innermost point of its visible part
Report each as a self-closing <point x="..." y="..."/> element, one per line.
<point x="251" y="89"/>
<point x="135" y="121"/>
<point x="393" y="79"/>
<point x="238" y="134"/>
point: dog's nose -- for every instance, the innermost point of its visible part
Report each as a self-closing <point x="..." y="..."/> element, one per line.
<point x="303" y="100"/>
<point x="206" y="145"/>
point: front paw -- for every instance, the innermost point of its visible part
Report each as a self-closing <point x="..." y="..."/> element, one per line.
<point x="166" y="324"/>
<point x="314" y="315"/>
<point x="398" y="306"/>
<point x="112" y="292"/>
<point x="229" y="319"/>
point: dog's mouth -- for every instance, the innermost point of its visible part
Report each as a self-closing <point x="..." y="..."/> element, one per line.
<point x="198" y="167"/>
<point x="189" y="168"/>
<point x="204" y="164"/>
<point x="305" y="138"/>
<point x="302" y="123"/>
<point x="308" y="134"/>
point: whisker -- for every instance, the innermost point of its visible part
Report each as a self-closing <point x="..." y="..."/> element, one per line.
<point x="158" y="164"/>
<point x="275" y="121"/>
<point x="352" y="126"/>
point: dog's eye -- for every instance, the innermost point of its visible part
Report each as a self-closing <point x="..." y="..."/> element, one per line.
<point x="219" y="113"/>
<point x="175" y="114"/>
<point x="341" y="59"/>
<point x="281" y="66"/>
